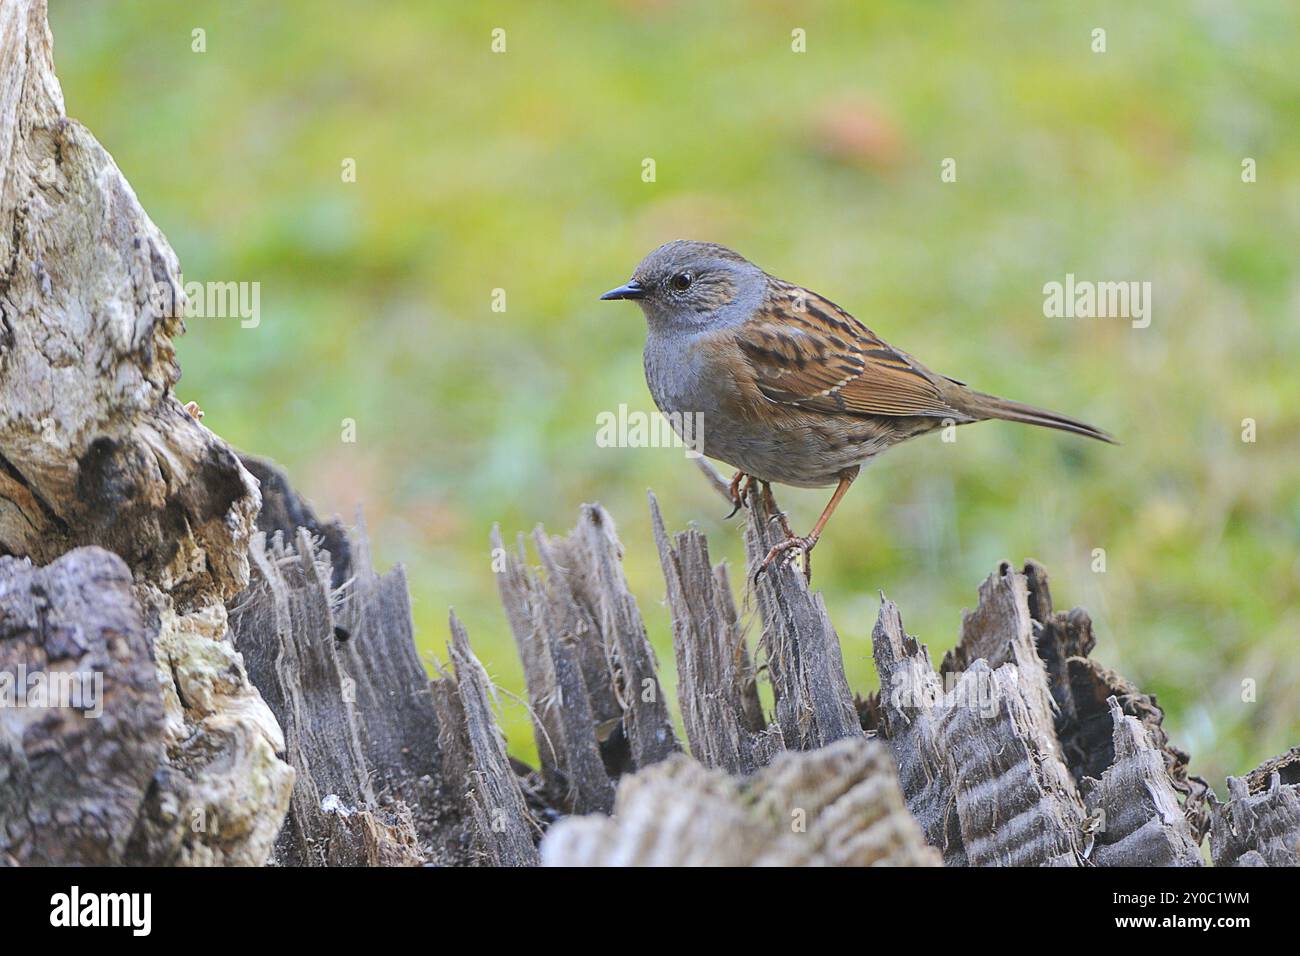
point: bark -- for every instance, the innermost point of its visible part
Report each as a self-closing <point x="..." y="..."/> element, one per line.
<point x="339" y="669"/>
<point x="979" y="743"/>
<point x="95" y="449"/>
<point x="1083" y="689"/>
<point x="1260" y="823"/>
<point x="71" y="786"/>
<point x="96" y="452"/>
<point x="1134" y="815"/>
<point x="179" y="766"/>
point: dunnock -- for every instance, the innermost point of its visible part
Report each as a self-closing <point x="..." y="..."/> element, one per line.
<point x="791" y="388"/>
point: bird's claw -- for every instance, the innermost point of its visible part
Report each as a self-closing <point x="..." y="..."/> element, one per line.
<point x="780" y="518"/>
<point x="788" y="547"/>
<point x="739" y="495"/>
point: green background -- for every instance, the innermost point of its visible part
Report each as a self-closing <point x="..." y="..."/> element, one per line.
<point x="522" y="171"/>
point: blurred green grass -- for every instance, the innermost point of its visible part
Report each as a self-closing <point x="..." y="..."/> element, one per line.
<point x="521" y="171"/>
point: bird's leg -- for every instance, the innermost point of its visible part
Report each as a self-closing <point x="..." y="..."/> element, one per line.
<point x="774" y="510"/>
<point x="739" y="494"/>
<point x="806" y="544"/>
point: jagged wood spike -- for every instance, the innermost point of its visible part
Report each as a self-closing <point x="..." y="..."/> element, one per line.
<point x="983" y="755"/>
<point x="1133" y="808"/>
<point x="340" y="670"/>
<point x="1082" y="688"/>
<point x="647" y="724"/>
<point x="717" y="688"/>
<point x="1260" y="823"/>
<point x="805" y="664"/>
<point x="504" y="829"/>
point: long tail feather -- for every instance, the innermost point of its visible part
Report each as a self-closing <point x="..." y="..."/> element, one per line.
<point x="990" y="406"/>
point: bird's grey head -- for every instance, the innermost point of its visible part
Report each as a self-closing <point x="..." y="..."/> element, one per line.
<point x="686" y="285"/>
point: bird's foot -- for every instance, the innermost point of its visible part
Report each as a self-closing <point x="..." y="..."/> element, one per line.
<point x="789" y="547"/>
<point x="192" y="408"/>
<point x="739" y="494"/>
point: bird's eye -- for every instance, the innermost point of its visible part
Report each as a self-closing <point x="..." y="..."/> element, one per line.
<point x="681" y="282"/>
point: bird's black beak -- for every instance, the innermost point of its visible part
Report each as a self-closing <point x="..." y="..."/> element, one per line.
<point x="632" y="290"/>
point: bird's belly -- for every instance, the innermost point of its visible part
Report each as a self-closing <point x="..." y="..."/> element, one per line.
<point x="803" y="456"/>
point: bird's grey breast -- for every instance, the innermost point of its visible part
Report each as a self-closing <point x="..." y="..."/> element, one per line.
<point x="676" y="375"/>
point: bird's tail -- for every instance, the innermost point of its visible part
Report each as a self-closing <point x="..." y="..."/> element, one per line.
<point x="990" y="406"/>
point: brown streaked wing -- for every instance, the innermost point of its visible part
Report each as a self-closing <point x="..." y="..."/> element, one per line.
<point x="823" y="359"/>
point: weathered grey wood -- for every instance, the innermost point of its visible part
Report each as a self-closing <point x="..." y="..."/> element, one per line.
<point x="717" y="686"/>
<point x="1012" y="795"/>
<point x="598" y="709"/>
<point x="504" y="830"/>
<point x="135" y="784"/>
<point x="283" y="626"/>
<point x="72" y="786"/>
<point x="1046" y="826"/>
<point x="1082" y="689"/>
<point x="341" y="674"/>
<point x="95" y="449"/>
<point x="284" y="510"/>
<point x="559" y="689"/>
<point x="577" y="649"/>
<point x="814" y="706"/>
<point x="1286" y="766"/>
<point x="675" y="813"/>
<point x="836" y="806"/>
<point x="1134" y="815"/>
<point x="911" y="704"/>
<point x="603" y="592"/>
<point x="515" y="585"/>
<point x="990" y="756"/>
<point x="1260" y="823"/>
<point x="1016" y="803"/>
<point x="1000" y="631"/>
<point x="847" y="794"/>
<point x="375" y="638"/>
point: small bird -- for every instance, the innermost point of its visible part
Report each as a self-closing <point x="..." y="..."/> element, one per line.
<point x="790" y="388"/>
